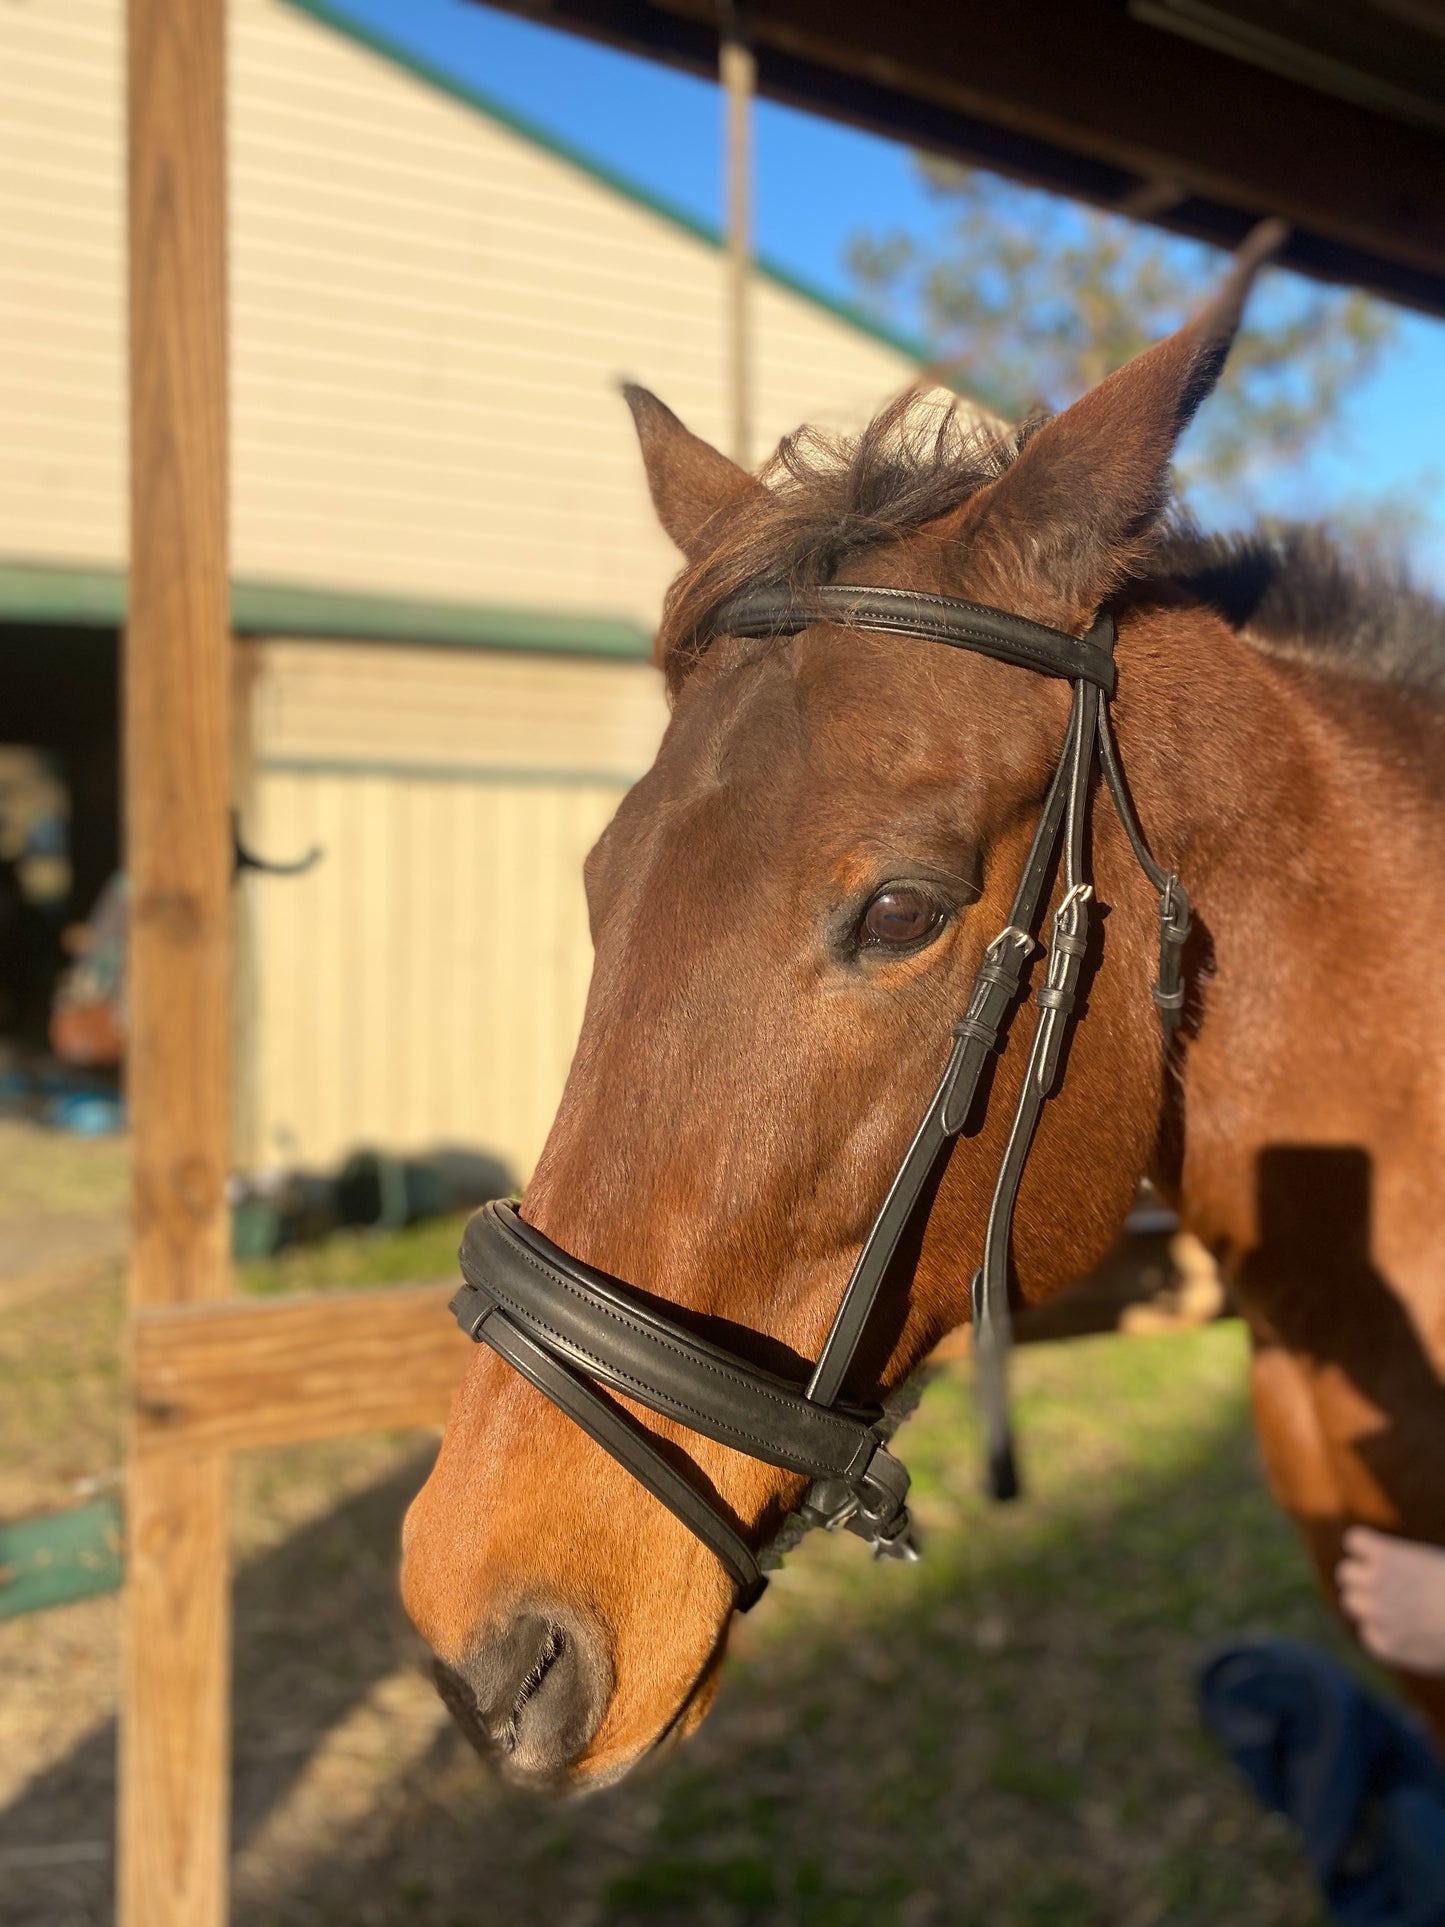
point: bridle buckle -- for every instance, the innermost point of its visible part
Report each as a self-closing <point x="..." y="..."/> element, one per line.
<point x="1077" y="893"/>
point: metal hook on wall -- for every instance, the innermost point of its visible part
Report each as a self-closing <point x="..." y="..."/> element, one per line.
<point x="244" y="859"/>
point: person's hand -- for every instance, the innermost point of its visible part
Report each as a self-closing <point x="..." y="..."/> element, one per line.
<point x="1394" y="1591"/>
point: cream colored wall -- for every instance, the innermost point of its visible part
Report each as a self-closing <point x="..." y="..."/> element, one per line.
<point x="492" y="710"/>
<point x="62" y="268"/>
<point x="429" y="318"/>
<point x="424" y="983"/>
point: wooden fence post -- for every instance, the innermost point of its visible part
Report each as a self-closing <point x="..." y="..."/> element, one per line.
<point x="176" y="1679"/>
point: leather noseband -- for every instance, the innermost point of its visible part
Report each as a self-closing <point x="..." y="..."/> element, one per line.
<point x="580" y="1336"/>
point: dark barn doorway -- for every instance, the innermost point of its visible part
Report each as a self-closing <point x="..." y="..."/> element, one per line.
<point x="59" y="812"/>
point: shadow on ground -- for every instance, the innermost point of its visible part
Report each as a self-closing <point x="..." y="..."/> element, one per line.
<point x="317" y="1625"/>
<point x="1003" y="1735"/>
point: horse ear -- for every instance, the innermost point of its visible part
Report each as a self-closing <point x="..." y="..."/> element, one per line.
<point x="690" y="481"/>
<point x="1072" y="513"/>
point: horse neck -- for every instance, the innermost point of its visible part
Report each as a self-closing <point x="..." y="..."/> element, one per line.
<point x="1294" y="811"/>
<point x="1214" y="740"/>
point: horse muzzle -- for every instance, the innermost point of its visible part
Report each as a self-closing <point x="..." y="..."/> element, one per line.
<point x="532" y="1695"/>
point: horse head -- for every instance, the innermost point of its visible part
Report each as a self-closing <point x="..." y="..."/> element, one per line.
<point x="788" y="913"/>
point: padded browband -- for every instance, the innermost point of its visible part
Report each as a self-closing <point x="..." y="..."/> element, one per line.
<point x="935" y="618"/>
<point x="594" y="1321"/>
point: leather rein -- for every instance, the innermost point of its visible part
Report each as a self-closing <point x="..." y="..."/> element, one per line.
<point x="579" y="1335"/>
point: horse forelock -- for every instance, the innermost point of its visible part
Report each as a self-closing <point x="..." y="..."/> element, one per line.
<point x="830" y="498"/>
<point x="1344" y="604"/>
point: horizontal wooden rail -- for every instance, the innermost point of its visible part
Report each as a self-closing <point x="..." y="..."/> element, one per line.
<point x="245" y="1372"/>
<point x="242" y="1372"/>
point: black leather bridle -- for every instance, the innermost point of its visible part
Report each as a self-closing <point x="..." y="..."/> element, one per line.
<point x="579" y="1335"/>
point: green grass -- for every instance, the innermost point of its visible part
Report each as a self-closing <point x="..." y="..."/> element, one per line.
<point x="45" y="1173"/>
<point x="1001" y="1736"/>
<point x="420" y="1254"/>
<point x="1006" y="1733"/>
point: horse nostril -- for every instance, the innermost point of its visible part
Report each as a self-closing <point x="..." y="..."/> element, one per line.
<point x="533" y="1694"/>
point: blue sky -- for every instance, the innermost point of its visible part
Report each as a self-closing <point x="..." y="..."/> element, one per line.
<point x="819" y="183"/>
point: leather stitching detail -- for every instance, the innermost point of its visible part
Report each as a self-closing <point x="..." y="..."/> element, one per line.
<point x="839" y="1429"/>
<point x="933" y="617"/>
<point x="636" y="1454"/>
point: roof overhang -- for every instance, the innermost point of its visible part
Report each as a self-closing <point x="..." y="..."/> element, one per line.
<point x="46" y="595"/>
<point x="1199" y="115"/>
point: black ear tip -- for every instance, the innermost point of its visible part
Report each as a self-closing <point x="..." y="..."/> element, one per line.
<point x="643" y="403"/>
<point x="1217" y="326"/>
<point x="1261" y="244"/>
<point x="1258" y="248"/>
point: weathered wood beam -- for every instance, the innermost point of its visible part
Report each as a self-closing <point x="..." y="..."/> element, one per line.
<point x="175" y="1725"/>
<point x="249" y="1372"/>
<point x="175" y="1748"/>
<point x="270" y="1371"/>
<point x="1082" y="97"/>
<point x="1132" y="96"/>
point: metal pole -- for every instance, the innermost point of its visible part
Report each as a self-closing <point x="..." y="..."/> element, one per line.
<point x="737" y="70"/>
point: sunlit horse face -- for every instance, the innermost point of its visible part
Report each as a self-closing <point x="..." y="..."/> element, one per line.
<point x="787" y="912"/>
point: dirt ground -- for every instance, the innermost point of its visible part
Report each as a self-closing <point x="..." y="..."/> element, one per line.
<point x="1002" y="1735"/>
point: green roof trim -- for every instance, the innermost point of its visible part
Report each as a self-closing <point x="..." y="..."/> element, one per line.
<point x="392" y="48"/>
<point x="273" y="609"/>
<point x="77" y="597"/>
<point x="509" y="775"/>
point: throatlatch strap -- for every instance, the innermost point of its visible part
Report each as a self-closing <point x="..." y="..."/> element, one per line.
<point x="1174" y="923"/>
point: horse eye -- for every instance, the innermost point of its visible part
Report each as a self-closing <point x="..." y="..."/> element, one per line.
<point x="900" y="916"/>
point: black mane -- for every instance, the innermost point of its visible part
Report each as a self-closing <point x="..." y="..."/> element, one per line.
<point x="1292" y="590"/>
<point x="1297" y="590"/>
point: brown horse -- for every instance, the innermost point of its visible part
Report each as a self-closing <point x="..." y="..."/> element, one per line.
<point x="787" y="912"/>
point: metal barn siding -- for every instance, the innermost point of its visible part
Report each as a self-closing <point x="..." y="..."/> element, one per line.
<point x="430" y="311"/>
<point x="424" y="983"/>
<point x="431" y="306"/>
<point x="62" y="282"/>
